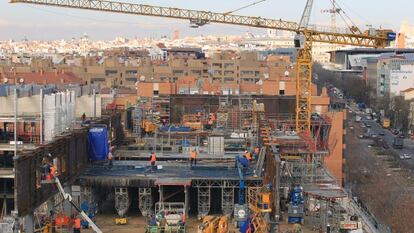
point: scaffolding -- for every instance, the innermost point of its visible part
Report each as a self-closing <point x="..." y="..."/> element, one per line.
<point x="137" y="115"/>
<point x="145" y="201"/>
<point x="227" y="201"/>
<point x="122" y="201"/>
<point x="203" y="201"/>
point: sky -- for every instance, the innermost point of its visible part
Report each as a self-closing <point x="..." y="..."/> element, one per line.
<point x="35" y="22"/>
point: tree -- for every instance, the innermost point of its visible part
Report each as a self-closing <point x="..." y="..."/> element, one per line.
<point x="352" y="85"/>
<point x="399" y="113"/>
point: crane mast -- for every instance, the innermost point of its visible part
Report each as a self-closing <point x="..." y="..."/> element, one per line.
<point x="305" y="36"/>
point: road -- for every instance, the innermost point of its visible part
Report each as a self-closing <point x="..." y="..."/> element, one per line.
<point x="388" y="137"/>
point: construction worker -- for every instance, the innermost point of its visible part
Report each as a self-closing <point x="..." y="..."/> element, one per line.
<point x="153" y="160"/>
<point x="83" y="117"/>
<point x="110" y="155"/>
<point x="52" y="172"/>
<point x="248" y="155"/>
<point x="193" y="158"/>
<point x="46" y="171"/>
<point x="256" y="151"/>
<point x="77" y="225"/>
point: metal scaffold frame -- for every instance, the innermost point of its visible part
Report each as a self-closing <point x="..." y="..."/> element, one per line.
<point x="137" y="119"/>
<point x="224" y="183"/>
<point x="323" y="212"/>
<point x="122" y="200"/>
<point x="204" y="195"/>
<point x="145" y="201"/>
<point x="303" y="171"/>
<point x="227" y="201"/>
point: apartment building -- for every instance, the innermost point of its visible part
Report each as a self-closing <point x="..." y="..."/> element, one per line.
<point x="395" y="74"/>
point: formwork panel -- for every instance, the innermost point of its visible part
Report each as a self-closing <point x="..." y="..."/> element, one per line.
<point x="71" y="153"/>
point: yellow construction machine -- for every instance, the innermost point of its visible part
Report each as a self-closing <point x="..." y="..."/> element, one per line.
<point x="214" y="224"/>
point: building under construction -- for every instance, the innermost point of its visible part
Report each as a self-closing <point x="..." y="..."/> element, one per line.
<point x="224" y="182"/>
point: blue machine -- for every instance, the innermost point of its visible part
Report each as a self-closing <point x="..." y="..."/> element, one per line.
<point x="98" y="147"/>
<point x="90" y="211"/>
<point x="241" y="211"/>
<point x="296" y="206"/>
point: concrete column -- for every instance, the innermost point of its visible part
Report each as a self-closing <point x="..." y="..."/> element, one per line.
<point x="41" y="116"/>
<point x="28" y="223"/>
<point x="187" y="200"/>
<point x="161" y="191"/>
<point x="94" y="103"/>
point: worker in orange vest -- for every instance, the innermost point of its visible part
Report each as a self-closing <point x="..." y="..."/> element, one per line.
<point x="52" y="171"/>
<point x="248" y="155"/>
<point x="193" y="158"/>
<point x="76" y="225"/>
<point x="153" y="160"/>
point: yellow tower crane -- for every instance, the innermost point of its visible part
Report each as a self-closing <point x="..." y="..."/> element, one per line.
<point x="305" y="36"/>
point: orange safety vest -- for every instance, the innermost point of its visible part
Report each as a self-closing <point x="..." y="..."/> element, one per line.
<point x="77" y="223"/>
<point x="193" y="154"/>
<point x="213" y="117"/>
<point x="184" y="217"/>
<point x="248" y="156"/>
<point x="52" y="171"/>
<point x="153" y="158"/>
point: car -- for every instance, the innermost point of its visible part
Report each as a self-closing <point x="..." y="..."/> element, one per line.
<point x="381" y="133"/>
<point x="385" y="146"/>
<point x="363" y="125"/>
<point x="407" y="156"/>
<point x="402" y="157"/>
<point x="368" y="125"/>
<point x="401" y="136"/>
<point x="374" y="135"/>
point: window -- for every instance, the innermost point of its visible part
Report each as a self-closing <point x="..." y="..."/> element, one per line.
<point x="281" y="92"/>
<point x="131" y="72"/>
<point x="110" y="72"/>
<point x="156" y="92"/>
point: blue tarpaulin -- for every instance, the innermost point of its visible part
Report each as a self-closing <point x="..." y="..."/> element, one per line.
<point x="98" y="143"/>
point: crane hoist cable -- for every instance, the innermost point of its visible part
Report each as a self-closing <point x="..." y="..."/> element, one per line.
<point x="244" y="7"/>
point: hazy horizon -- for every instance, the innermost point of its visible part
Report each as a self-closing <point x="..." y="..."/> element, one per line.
<point x="20" y="21"/>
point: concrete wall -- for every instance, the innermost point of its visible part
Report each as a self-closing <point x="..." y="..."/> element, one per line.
<point x="85" y="104"/>
<point x="334" y="162"/>
<point x="59" y="113"/>
<point x="25" y="105"/>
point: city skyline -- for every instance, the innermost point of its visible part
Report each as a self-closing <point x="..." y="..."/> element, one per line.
<point x="48" y="23"/>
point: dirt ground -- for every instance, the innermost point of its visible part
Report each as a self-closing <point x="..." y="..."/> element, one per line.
<point x="137" y="225"/>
